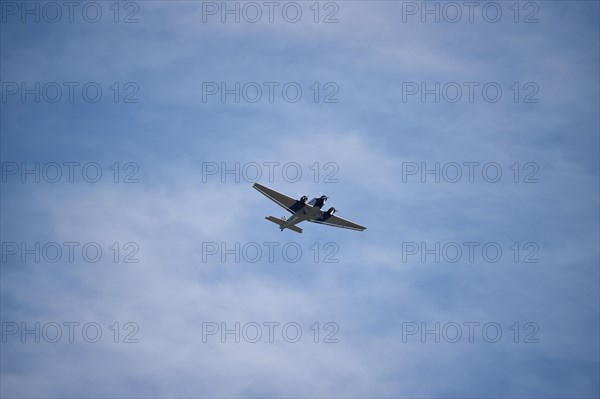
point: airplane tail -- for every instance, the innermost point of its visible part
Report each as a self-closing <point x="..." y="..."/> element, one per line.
<point x="282" y="222"/>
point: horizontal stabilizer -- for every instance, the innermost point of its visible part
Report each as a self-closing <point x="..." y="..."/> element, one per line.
<point x="282" y="222"/>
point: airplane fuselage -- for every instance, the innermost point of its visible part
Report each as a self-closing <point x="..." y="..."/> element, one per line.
<point x="307" y="212"/>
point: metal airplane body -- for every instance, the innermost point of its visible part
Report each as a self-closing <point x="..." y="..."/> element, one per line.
<point x="302" y="210"/>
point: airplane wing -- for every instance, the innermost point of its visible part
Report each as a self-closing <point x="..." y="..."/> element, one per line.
<point x="288" y="203"/>
<point x="335" y="221"/>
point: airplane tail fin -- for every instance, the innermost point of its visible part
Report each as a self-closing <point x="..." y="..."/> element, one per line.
<point x="282" y="222"/>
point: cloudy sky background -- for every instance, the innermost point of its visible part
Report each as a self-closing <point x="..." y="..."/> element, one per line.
<point x="369" y="133"/>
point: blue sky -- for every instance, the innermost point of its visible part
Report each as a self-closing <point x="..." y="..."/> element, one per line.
<point x="372" y="294"/>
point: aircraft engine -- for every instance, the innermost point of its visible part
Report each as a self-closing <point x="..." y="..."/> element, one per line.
<point x="331" y="211"/>
<point x="303" y="199"/>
